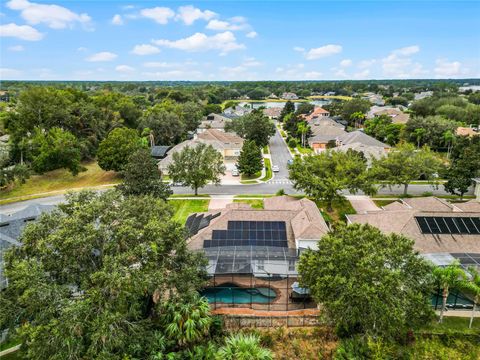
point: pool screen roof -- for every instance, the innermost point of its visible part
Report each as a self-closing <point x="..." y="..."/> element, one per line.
<point x="449" y="225"/>
<point x="261" y="260"/>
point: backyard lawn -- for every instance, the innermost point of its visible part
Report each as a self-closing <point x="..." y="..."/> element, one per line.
<point x="183" y="208"/>
<point x="254" y="203"/>
<point x="338" y="212"/>
<point x="58" y="181"/>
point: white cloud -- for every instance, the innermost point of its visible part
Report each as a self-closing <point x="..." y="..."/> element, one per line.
<point x="16" y="48"/>
<point x="346" y="63"/>
<point x="366" y="63"/>
<point x="224" y="42"/>
<point x="156" y="64"/>
<point x="161" y="15"/>
<point x="117" y="19"/>
<point x="174" y="75"/>
<point x="54" y="16"/>
<point x="323" y="51"/>
<point x="313" y="75"/>
<point x="145" y="49"/>
<point x="124" y="69"/>
<point x="102" y="56"/>
<point x="7" y="73"/>
<point x="444" y="68"/>
<point x="24" y="32"/>
<point x="292" y="72"/>
<point x="252" y="34"/>
<point x="362" y="74"/>
<point x="128" y="7"/>
<point x="219" y="25"/>
<point x="299" y="49"/>
<point x="189" y="14"/>
<point x="407" y="51"/>
<point x="398" y="63"/>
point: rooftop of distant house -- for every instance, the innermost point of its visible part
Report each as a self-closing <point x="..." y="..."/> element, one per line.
<point x="436" y="225"/>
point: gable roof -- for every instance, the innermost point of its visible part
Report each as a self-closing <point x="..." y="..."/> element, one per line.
<point x="159" y="151"/>
<point x="401" y="218"/>
<point x="360" y="137"/>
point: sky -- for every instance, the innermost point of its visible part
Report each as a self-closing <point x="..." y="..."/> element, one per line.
<point x="238" y="40"/>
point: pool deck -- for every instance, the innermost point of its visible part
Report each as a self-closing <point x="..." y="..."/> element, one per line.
<point x="282" y="288"/>
<point x="265" y="313"/>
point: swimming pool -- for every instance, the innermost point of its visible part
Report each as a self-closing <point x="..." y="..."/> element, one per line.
<point x="232" y="294"/>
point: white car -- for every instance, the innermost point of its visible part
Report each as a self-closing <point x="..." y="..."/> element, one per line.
<point x="275" y="168"/>
<point x="235" y="172"/>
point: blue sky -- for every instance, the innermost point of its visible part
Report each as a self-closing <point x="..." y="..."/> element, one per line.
<point x="238" y="40"/>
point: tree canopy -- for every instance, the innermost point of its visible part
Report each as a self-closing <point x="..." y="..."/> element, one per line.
<point x="100" y="277"/>
<point x="115" y="150"/>
<point x="368" y="282"/>
<point x="326" y="175"/>
<point x="254" y="126"/>
<point x="196" y="166"/>
<point x="250" y="159"/>
<point x="141" y="176"/>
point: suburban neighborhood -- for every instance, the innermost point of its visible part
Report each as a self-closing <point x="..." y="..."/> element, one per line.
<point x="239" y="180"/>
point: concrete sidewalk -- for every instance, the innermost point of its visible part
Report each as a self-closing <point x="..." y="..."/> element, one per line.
<point x="220" y="202"/>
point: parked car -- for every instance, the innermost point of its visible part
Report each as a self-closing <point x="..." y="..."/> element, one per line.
<point x="275" y="168"/>
<point x="290" y="162"/>
<point x="235" y="172"/>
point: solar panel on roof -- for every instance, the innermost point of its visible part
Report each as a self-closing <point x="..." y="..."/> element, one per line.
<point x="448" y="225"/>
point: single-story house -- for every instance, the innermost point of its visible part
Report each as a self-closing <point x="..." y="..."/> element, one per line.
<point x="324" y="130"/>
<point x="228" y="144"/>
<point x="11" y="227"/>
<point x="398" y="116"/>
<point x="213" y="121"/>
<point x="237" y="110"/>
<point x="272" y="112"/>
<point x="289" y="96"/>
<point x="436" y="225"/>
<point x="318" y="112"/>
<point x="159" y="152"/>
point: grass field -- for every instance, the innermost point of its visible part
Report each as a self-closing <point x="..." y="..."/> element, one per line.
<point x="338" y="212"/>
<point x="183" y="208"/>
<point x="59" y="181"/>
<point x="304" y="150"/>
<point x="268" y="170"/>
<point x="254" y="203"/>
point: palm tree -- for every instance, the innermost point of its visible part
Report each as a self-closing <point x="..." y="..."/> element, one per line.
<point x="419" y="134"/>
<point x="302" y="128"/>
<point x="448" y="139"/>
<point x="473" y="287"/>
<point x="358" y="117"/>
<point x="243" y="347"/>
<point x="448" y="277"/>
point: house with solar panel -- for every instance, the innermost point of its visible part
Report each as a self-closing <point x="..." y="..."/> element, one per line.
<point x="442" y="231"/>
<point x="11" y="227"/>
<point x="252" y="253"/>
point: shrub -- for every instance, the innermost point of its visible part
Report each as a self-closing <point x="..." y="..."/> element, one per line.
<point x="292" y="143"/>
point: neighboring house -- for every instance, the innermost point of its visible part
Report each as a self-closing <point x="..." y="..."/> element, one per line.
<point x="237" y="110"/>
<point x="289" y="96"/>
<point x="4" y="96"/>
<point x="398" y="116"/>
<point x="228" y="144"/>
<point x="213" y="121"/>
<point x="159" y="152"/>
<point x="330" y="93"/>
<point x="324" y="130"/>
<point x="272" y="96"/>
<point x="466" y="131"/>
<point x="317" y="113"/>
<point x="423" y="95"/>
<point x="272" y="112"/>
<point x="435" y="225"/>
<point x="11" y="227"/>
<point x="358" y="136"/>
<point x="375" y="99"/>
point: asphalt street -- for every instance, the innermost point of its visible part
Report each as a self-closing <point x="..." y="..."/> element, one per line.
<point x="280" y="155"/>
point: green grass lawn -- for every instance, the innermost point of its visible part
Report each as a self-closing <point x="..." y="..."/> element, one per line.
<point x="338" y="212"/>
<point x="383" y="202"/>
<point x="266" y="150"/>
<point x="183" y="208"/>
<point x="59" y="181"/>
<point x="304" y="150"/>
<point x="254" y="203"/>
<point x="453" y="323"/>
<point x="252" y="177"/>
<point x="268" y="168"/>
<point x="283" y="133"/>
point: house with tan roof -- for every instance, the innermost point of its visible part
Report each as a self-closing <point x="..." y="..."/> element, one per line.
<point x="436" y="225"/>
<point x="272" y="112"/>
<point x="324" y="130"/>
<point x="398" y="116"/>
<point x="466" y="131"/>
<point x="227" y="144"/>
<point x="213" y="121"/>
<point x="318" y="112"/>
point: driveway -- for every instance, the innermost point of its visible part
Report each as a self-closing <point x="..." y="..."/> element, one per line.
<point x="280" y="155"/>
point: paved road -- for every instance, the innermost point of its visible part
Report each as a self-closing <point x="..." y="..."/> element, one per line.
<point x="235" y="190"/>
<point x="280" y="155"/>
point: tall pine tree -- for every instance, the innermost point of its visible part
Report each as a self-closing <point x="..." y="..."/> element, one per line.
<point x="250" y="160"/>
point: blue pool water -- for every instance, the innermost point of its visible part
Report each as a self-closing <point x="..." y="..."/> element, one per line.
<point x="231" y="294"/>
